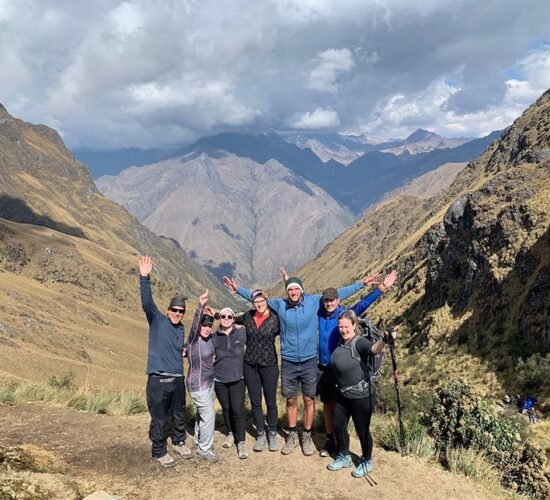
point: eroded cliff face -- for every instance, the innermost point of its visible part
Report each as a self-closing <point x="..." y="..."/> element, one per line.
<point x="490" y="255"/>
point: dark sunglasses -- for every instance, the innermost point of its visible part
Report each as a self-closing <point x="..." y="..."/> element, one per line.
<point x="224" y="316"/>
<point x="175" y="310"/>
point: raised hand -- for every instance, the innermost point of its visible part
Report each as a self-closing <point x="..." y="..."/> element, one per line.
<point x="372" y="279"/>
<point x="208" y="310"/>
<point x="390" y="279"/>
<point x="145" y="265"/>
<point x="283" y="273"/>
<point x="203" y="299"/>
<point x="230" y="283"/>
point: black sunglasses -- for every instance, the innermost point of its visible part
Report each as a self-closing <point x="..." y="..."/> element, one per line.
<point x="176" y="310"/>
<point x="223" y="316"/>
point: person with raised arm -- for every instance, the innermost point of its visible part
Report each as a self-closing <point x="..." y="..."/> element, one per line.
<point x="329" y="338"/>
<point x="165" y="389"/>
<point x="356" y="392"/>
<point x="299" y="331"/>
<point x="200" y="378"/>
<point x="261" y="368"/>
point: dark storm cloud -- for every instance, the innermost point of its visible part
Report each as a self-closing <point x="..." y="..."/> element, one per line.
<point x="152" y="73"/>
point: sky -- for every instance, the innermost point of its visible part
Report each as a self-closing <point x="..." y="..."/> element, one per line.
<point x="111" y="74"/>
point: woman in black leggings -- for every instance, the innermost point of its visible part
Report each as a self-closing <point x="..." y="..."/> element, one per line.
<point x="229" y="345"/>
<point x="261" y="369"/>
<point x="356" y="395"/>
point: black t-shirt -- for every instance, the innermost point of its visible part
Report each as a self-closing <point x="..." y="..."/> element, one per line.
<point x="347" y="370"/>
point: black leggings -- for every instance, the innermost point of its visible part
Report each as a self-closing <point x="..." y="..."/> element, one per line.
<point x="266" y="378"/>
<point x="231" y="398"/>
<point x="360" y="410"/>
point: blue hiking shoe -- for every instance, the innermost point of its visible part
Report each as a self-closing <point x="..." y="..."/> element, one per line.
<point x="340" y="462"/>
<point x="363" y="468"/>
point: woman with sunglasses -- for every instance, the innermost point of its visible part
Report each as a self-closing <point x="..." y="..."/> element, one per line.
<point x="229" y="344"/>
<point x="261" y="368"/>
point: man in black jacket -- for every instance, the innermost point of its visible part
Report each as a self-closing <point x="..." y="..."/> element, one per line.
<point x="165" y="382"/>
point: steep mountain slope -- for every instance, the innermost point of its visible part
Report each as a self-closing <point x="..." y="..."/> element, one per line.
<point x="474" y="263"/>
<point x="69" y="293"/>
<point x="232" y="214"/>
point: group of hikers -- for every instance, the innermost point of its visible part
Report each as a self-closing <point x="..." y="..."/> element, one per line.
<point x="322" y="353"/>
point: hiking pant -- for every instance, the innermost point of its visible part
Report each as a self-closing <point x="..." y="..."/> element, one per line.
<point x="231" y="398"/>
<point x="165" y="399"/>
<point x="360" y="410"/>
<point x="257" y="378"/>
<point x="205" y="418"/>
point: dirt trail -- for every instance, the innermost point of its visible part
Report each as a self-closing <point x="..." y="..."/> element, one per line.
<point x="113" y="453"/>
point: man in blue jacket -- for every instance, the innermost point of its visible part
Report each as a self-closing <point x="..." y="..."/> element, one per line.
<point x="165" y="382"/>
<point x="329" y="338"/>
<point x="299" y="328"/>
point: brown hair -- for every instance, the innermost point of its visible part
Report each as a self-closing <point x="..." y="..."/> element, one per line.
<point x="352" y="317"/>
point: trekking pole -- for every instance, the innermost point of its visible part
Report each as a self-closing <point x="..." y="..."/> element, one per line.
<point x="391" y="345"/>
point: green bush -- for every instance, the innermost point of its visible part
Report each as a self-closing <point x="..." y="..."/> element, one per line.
<point x="64" y="382"/>
<point x="461" y="419"/>
<point x="533" y="373"/>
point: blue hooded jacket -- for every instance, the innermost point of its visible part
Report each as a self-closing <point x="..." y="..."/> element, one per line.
<point x="329" y="336"/>
<point x="299" y="323"/>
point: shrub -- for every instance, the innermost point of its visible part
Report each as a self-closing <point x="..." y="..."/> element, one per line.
<point x="64" y="382"/>
<point x="461" y="419"/>
<point x="533" y="373"/>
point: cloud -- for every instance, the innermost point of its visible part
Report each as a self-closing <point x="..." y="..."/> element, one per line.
<point x="117" y="73"/>
<point x="329" y="65"/>
<point x="318" y="119"/>
<point x="400" y="114"/>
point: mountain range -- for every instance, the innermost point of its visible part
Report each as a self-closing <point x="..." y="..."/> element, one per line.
<point x="246" y="222"/>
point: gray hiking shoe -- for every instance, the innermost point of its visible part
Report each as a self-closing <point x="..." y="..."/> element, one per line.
<point x="291" y="442"/>
<point x="209" y="456"/>
<point x="183" y="451"/>
<point x="229" y="441"/>
<point x="308" y="448"/>
<point x="166" y="461"/>
<point x="273" y="441"/>
<point x="241" y="450"/>
<point x="260" y="443"/>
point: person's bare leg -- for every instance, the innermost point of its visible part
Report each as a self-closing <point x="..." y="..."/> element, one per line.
<point x="309" y="412"/>
<point x="292" y="411"/>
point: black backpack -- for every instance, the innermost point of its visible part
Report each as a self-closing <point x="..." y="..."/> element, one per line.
<point x="373" y="365"/>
